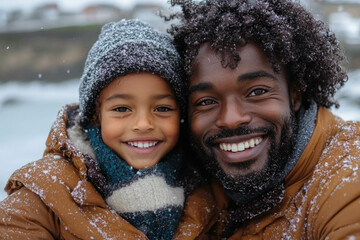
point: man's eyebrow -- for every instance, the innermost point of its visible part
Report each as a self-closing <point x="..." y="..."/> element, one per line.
<point x="200" y="87"/>
<point x="243" y="77"/>
<point x="254" y="75"/>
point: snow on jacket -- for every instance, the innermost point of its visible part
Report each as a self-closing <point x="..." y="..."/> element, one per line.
<point x="53" y="198"/>
<point x="322" y="197"/>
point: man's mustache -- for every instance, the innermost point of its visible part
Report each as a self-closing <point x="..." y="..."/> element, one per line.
<point x="225" y="133"/>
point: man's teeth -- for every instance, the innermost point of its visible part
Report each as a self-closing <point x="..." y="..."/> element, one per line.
<point x="142" y="144"/>
<point x="241" y="146"/>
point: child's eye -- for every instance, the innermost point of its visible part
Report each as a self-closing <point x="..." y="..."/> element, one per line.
<point x="257" y="92"/>
<point x="163" y="109"/>
<point x="121" y="109"/>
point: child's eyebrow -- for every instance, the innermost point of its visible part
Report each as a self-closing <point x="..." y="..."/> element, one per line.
<point x="122" y="96"/>
<point x="127" y="96"/>
<point x="162" y="96"/>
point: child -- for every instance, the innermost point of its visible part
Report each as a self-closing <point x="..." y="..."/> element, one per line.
<point x="110" y="168"/>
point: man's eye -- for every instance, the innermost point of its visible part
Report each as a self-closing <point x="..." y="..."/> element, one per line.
<point x="206" y="102"/>
<point x="121" y="109"/>
<point x="163" y="109"/>
<point x="257" y="92"/>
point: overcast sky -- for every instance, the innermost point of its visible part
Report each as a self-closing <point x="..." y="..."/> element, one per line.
<point x="68" y="5"/>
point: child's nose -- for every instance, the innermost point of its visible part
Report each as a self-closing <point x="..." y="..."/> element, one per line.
<point x="143" y="122"/>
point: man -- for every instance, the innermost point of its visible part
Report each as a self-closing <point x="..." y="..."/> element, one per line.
<point x="262" y="75"/>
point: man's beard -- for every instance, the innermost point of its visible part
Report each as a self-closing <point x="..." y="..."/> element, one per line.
<point x="255" y="182"/>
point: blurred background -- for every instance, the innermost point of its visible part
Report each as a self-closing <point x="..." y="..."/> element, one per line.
<point x="44" y="44"/>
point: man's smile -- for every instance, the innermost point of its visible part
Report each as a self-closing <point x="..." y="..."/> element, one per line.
<point x="234" y="150"/>
<point x="240" y="146"/>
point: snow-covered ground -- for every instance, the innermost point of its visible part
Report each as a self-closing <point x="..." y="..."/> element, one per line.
<point x="27" y="111"/>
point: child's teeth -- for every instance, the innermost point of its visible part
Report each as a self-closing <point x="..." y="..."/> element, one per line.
<point x="142" y="144"/>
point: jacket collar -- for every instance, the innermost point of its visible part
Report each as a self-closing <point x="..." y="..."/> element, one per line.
<point x="58" y="140"/>
<point x="325" y="127"/>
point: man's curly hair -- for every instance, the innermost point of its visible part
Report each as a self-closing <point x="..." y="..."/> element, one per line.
<point x="288" y="34"/>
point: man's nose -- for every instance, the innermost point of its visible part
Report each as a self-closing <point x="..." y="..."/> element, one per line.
<point x="143" y="121"/>
<point x="233" y="114"/>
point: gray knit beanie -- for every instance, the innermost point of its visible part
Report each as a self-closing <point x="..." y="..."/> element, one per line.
<point x="124" y="47"/>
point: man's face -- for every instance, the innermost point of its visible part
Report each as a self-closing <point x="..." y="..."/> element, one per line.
<point x="242" y="120"/>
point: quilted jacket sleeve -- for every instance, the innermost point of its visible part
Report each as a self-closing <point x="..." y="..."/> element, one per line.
<point x="24" y="216"/>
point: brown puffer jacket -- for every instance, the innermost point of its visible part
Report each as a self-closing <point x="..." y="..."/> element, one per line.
<point x="53" y="198"/>
<point x="322" y="197"/>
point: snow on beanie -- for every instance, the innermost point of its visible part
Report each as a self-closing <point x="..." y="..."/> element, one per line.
<point x="124" y="47"/>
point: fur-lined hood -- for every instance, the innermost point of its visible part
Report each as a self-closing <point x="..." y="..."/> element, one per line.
<point x="68" y="138"/>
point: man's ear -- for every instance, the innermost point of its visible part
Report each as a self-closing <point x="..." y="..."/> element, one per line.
<point x="296" y="98"/>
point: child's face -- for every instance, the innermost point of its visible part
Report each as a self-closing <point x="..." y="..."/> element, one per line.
<point x="139" y="118"/>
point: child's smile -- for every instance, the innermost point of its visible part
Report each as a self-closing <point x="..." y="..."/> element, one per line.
<point x="143" y="148"/>
<point x="142" y="144"/>
<point x="139" y="118"/>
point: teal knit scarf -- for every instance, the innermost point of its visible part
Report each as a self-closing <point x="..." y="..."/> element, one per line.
<point x="150" y="199"/>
